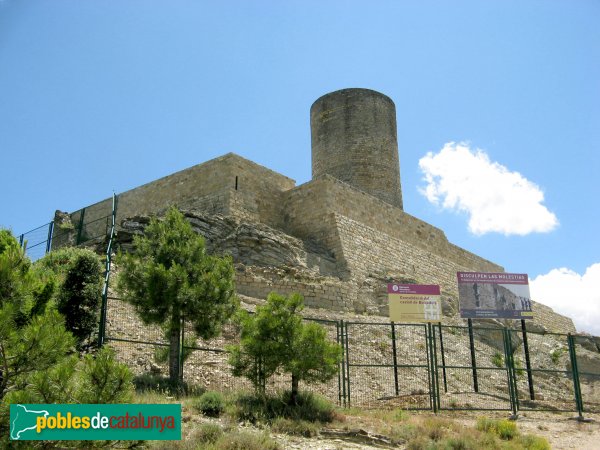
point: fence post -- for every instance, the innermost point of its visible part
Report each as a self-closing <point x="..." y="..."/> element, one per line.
<point x="181" y="343"/>
<point x="443" y="357"/>
<point x="435" y="366"/>
<point x="395" y="358"/>
<point x="510" y="371"/>
<point x="104" y="306"/>
<point x="49" y="240"/>
<point x="347" y="365"/>
<point x="575" y="374"/>
<point x="473" y="362"/>
<point x="527" y="360"/>
<point x="432" y="367"/>
<point x="428" y="366"/>
<point x="80" y="227"/>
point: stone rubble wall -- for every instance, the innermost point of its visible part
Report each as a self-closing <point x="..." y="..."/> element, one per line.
<point x="343" y="244"/>
<point x="551" y="320"/>
<point x="318" y="292"/>
<point x="210" y="186"/>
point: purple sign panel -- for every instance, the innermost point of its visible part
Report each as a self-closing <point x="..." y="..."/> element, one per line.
<point x="484" y="295"/>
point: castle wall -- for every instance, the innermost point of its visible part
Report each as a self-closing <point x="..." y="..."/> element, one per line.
<point x="325" y="293"/>
<point x="551" y="320"/>
<point x="210" y="187"/>
<point x="308" y="215"/>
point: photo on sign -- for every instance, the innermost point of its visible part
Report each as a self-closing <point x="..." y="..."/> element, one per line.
<point x="492" y="295"/>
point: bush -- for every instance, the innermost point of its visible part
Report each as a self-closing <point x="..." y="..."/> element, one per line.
<point x="244" y="440"/>
<point x="256" y="408"/>
<point x="295" y="427"/>
<point x="503" y="428"/>
<point x="80" y="289"/>
<point x="211" y="404"/>
<point x="531" y="442"/>
<point x="208" y="433"/>
<point x="498" y="359"/>
<point x="157" y="383"/>
<point x="506" y="429"/>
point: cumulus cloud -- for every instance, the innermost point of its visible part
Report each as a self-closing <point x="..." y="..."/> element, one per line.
<point x="571" y="294"/>
<point x="496" y="199"/>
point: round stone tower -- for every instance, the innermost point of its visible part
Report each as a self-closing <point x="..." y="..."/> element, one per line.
<point x="353" y="133"/>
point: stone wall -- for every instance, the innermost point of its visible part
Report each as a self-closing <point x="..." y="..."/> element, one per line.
<point x="336" y="245"/>
<point x="353" y="135"/>
<point x="228" y="185"/>
<point x="308" y="214"/>
<point x="320" y="292"/>
<point x="551" y="321"/>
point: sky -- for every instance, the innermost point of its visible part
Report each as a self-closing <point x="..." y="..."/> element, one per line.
<point x="498" y="109"/>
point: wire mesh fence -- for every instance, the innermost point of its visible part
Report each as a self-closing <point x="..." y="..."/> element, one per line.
<point x="392" y="365"/>
<point x="387" y="365"/>
<point x="71" y="230"/>
<point x="470" y="363"/>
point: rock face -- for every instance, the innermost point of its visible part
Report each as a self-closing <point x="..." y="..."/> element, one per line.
<point x="268" y="259"/>
<point x="337" y="239"/>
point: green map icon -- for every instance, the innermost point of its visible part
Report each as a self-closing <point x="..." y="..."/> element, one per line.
<point x="23" y="420"/>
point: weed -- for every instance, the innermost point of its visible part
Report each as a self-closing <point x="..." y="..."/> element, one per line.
<point x="556" y="354"/>
<point x="498" y="359"/>
<point x="245" y="440"/>
<point x="531" y="442"/>
<point x="255" y="408"/>
<point x="210" y="404"/>
<point x="507" y="429"/>
<point x="401" y="415"/>
<point x="295" y="427"/>
<point x="208" y="433"/>
<point x="503" y="428"/>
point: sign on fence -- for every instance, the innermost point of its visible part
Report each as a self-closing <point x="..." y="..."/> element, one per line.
<point x="494" y="295"/>
<point x="414" y="303"/>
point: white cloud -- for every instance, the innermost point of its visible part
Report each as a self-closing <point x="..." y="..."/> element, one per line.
<point x="573" y="295"/>
<point x="496" y="199"/>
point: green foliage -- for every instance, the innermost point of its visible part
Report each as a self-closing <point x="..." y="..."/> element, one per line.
<point x="161" y="352"/>
<point x="104" y="380"/>
<point x="37" y="364"/>
<point x="519" y="370"/>
<point x="556" y="354"/>
<point x="155" y="383"/>
<point x="531" y="442"/>
<point x="245" y="440"/>
<point x="295" y="427"/>
<point x="79" y="295"/>
<point x="505" y="429"/>
<point x="169" y="277"/>
<point x="258" y="408"/>
<point x="498" y="359"/>
<point x="208" y="433"/>
<point x="211" y="404"/>
<point x="276" y="339"/>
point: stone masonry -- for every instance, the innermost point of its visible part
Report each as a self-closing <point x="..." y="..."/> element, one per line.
<point x="337" y="239"/>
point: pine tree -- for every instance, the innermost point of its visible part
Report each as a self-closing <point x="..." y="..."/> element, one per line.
<point x="79" y="292"/>
<point x="276" y="338"/>
<point x="37" y="361"/>
<point x="169" y="277"/>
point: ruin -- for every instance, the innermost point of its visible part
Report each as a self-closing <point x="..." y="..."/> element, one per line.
<point x="337" y="239"/>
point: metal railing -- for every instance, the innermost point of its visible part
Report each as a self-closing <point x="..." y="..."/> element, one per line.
<point x="409" y="366"/>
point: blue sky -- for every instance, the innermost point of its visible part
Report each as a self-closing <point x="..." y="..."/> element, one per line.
<point x="97" y="96"/>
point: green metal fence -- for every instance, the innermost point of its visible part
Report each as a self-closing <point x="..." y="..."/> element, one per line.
<point x="392" y="365"/>
<point x="74" y="230"/>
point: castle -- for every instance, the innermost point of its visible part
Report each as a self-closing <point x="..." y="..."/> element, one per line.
<point x="337" y="239"/>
